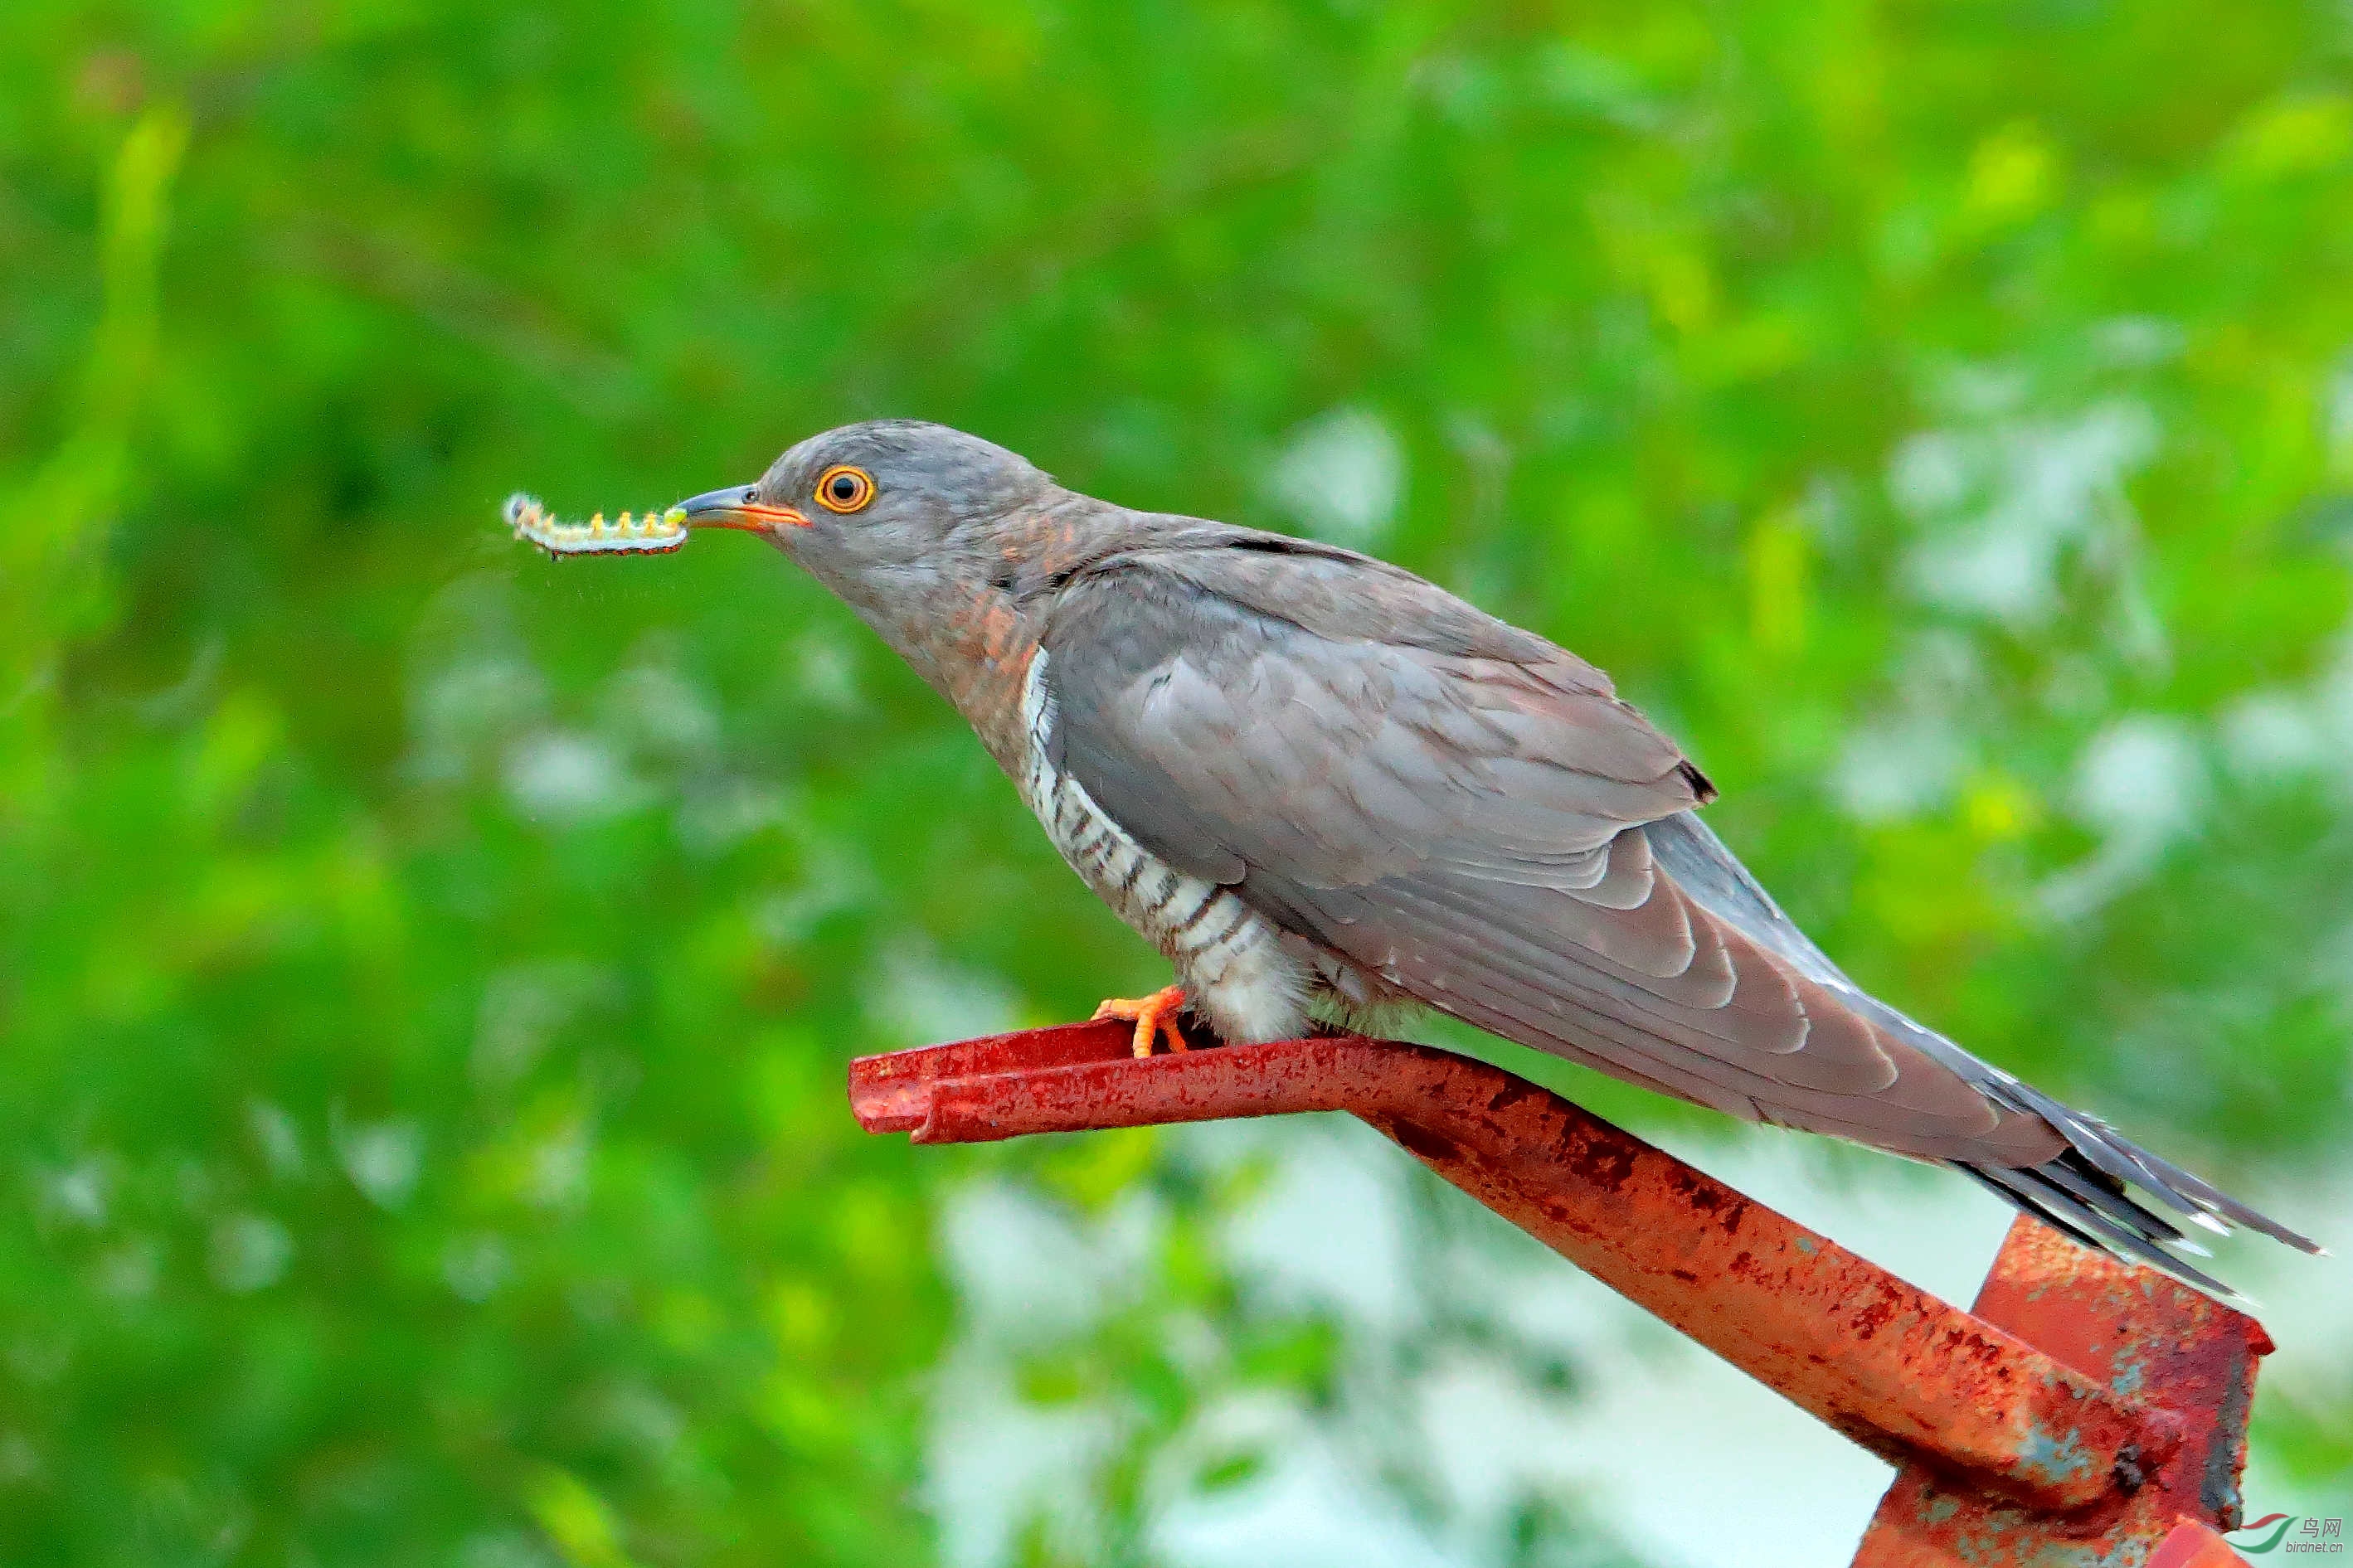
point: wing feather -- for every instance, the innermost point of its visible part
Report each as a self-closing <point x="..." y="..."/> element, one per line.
<point x="1471" y="814"/>
<point x="1470" y="828"/>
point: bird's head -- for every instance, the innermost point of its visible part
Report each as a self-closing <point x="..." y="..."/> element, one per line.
<point x="885" y="510"/>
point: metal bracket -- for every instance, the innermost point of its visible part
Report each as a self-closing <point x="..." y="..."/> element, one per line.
<point x="2089" y="1411"/>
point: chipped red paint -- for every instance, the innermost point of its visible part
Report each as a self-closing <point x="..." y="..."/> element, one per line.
<point x="2083" y="1410"/>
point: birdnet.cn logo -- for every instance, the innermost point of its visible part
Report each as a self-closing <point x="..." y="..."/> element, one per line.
<point x="2290" y="1532"/>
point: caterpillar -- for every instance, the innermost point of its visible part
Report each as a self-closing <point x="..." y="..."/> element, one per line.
<point x="648" y="533"/>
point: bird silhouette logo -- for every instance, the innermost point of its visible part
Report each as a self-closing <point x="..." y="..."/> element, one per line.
<point x="2269" y="1542"/>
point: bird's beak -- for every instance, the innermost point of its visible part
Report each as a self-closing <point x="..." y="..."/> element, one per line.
<point x="734" y="508"/>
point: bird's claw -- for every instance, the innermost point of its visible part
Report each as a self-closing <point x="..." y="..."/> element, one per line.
<point x="1153" y="1016"/>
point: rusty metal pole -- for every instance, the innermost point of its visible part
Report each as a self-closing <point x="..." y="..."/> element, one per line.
<point x="2134" y="1333"/>
<point x="2085" y="1404"/>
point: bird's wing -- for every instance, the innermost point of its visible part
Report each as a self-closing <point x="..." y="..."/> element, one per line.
<point x="1468" y="812"/>
<point x="1465" y="813"/>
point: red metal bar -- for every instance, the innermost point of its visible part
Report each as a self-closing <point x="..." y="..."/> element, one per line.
<point x="2134" y="1333"/>
<point x="2055" y="1436"/>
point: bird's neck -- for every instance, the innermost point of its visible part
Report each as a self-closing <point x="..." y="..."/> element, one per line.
<point x="974" y="650"/>
<point x="971" y="631"/>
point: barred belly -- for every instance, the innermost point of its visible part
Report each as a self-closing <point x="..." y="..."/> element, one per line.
<point x="1230" y="960"/>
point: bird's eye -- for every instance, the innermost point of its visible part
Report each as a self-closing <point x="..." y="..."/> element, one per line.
<point x="844" y="489"/>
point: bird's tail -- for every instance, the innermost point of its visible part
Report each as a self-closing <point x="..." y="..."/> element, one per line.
<point x="2086" y="1193"/>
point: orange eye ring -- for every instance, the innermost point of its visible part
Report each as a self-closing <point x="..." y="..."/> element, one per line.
<point x="842" y="488"/>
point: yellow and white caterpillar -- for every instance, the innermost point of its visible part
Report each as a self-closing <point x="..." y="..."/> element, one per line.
<point x="648" y="533"/>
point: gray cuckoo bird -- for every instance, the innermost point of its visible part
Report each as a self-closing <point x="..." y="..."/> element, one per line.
<point x="1321" y="785"/>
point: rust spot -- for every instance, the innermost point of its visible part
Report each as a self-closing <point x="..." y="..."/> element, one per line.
<point x="1514" y="1091"/>
<point x="1685" y="1275"/>
<point x="2129" y="1475"/>
<point x="1868" y="1321"/>
<point x="1435" y="1147"/>
<point x="1704" y="1195"/>
<point x="1605" y="1162"/>
<point x="2218" y="1480"/>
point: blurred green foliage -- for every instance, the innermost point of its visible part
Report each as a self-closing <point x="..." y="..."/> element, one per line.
<point x="425" y="971"/>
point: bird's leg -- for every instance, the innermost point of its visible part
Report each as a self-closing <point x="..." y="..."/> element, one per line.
<point x="1153" y="1016"/>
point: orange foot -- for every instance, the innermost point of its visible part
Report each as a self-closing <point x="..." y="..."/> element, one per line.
<point x="1153" y="1016"/>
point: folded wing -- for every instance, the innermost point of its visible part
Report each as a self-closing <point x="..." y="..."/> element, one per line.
<point x="1469" y="813"/>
